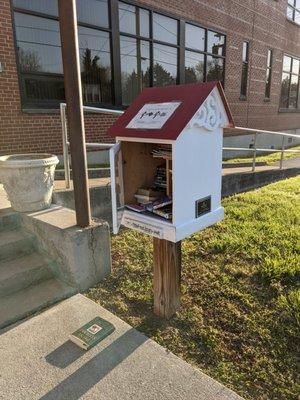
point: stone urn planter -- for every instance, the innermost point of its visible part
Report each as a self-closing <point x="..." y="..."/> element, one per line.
<point x="28" y="180"/>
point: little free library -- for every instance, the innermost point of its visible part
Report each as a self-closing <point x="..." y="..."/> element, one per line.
<point x="166" y="173"/>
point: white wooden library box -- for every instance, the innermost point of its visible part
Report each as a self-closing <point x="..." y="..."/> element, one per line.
<point x="169" y="147"/>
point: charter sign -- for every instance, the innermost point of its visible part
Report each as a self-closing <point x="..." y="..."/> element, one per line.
<point x="153" y="116"/>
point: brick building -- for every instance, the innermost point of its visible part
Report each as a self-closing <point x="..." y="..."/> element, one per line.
<point x="252" y="46"/>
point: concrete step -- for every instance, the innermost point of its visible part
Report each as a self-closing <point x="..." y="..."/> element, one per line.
<point x="34" y="298"/>
<point x="16" y="243"/>
<point x="9" y="219"/>
<point x="23" y="272"/>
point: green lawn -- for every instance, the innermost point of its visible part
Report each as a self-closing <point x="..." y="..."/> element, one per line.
<point x="269" y="158"/>
<point x="240" y="315"/>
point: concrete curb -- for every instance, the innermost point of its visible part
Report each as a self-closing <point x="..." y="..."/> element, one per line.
<point x="244" y="181"/>
<point x="243" y="164"/>
<point x="92" y="173"/>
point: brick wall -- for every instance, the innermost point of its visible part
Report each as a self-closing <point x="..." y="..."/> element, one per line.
<point x="262" y="22"/>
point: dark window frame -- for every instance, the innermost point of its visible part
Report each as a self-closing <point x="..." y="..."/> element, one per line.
<point x="269" y="70"/>
<point x="115" y="34"/>
<point x="291" y="74"/>
<point x="245" y="67"/>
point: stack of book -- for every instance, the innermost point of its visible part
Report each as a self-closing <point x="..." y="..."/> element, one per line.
<point x="164" y="212"/>
<point x="162" y="152"/>
<point x="147" y="195"/>
<point x="161" y="207"/>
<point x="160" y="180"/>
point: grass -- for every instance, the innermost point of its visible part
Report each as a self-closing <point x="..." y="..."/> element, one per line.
<point x="240" y="315"/>
<point x="269" y="158"/>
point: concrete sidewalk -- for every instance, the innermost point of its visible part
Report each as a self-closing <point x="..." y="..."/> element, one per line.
<point x="38" y="362"/>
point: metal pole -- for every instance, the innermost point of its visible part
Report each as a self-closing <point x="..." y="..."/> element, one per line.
<point x="255" y="151"/>
<point x="65" y="145"/>
<point x="282" y="153"/>
<point x="72" y="80"/>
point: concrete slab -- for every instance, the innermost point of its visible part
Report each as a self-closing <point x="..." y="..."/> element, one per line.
<point x="56" y="216"/>
<point x="38" y="362"/>
<point x="83" y="254"/>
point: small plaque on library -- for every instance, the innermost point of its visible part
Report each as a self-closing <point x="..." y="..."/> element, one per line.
<point x="153" y="115"/>
<point x="203" y="206"/>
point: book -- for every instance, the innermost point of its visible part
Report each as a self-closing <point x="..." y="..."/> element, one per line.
<point x="148" y="195"/>
<point x="136" y="207"/>
<point x="92" y="333"/>
<point x="165" y="212"/>
<point x="164" y="201"/>
<point x="150" y="192"/>
<point x="162" y="152"/>
<point x="144" y="199"/>
<point x="160" y="180"/>
<point x="161" y="185"/>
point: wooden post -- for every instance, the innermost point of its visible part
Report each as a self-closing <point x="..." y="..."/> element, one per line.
<point x="167" y="277"/>
<point x="72" y="80"/>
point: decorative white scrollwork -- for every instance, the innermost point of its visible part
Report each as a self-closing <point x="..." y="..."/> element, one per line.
<point x="209" y="116"/>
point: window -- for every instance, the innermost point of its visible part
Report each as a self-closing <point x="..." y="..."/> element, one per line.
<point x="127" y="18"/>
<point x="40" y="63"/>
<point x="38" y="44"/>
<point x="290" y="83"/>
<point x="146" y="61"/>
<point x="164" y="65"/>
<point x="94" y="49"/>
<point x="39" y="52"/>
<point x="269" y="74"/>
<point x="135" y="56"/>
<point x="245" y="67"/>
<point x="204" y="55"/>
<point x="293" y="11"/>
<point x="194" y="67"/>
<point x="215" y="43"/>
<point x="148" y="50"/>
<point x="136" y="62"/>
<point x="165" y="29"/>
<point x="48" y="7"/>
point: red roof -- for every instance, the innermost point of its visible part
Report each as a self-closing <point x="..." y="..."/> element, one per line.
<point x="191" y="97"/>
